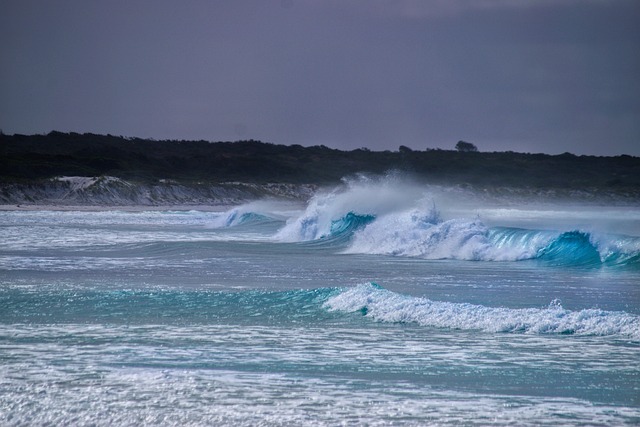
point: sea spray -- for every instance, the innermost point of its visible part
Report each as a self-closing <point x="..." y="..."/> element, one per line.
<point x="421" y="234"/>
<point x="360" y="196"/>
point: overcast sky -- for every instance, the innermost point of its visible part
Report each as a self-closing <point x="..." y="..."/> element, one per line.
<point x="524" y="75"/>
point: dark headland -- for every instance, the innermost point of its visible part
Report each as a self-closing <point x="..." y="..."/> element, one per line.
<point x="34" y="169"/>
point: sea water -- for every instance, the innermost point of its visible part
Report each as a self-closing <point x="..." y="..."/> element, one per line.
<point x="373" y="304"/>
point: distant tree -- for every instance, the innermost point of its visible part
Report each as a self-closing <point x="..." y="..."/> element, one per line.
<point x="404" y="149"/>
<point x="466" y="147"/>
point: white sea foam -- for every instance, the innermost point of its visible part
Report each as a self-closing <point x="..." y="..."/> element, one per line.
<point x="103" y="375"/>
<point x="418" y="233"/>
<point x="386" y="306"/>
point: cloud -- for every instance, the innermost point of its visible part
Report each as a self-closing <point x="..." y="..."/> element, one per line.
<point x="420" y="9"/>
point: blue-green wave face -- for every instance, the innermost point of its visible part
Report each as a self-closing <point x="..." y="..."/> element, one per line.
<point x="314" y="227"/>
<point x="349" y="223"/>
<point x="572" y="248"/>
<point x="340" y="231"/>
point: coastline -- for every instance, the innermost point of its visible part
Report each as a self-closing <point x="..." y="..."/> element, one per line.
<point x="122" y="208"/>
<point x="139" y="198"/>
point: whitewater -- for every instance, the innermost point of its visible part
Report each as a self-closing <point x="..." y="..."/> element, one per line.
<point x="377" y="302"/>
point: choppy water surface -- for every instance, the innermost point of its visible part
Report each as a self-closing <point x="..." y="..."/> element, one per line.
<point x="352" y="310"/>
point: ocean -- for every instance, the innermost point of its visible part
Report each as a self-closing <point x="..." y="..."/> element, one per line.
<point x="374" y="303"/>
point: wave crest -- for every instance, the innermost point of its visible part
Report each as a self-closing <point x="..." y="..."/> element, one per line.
<point x="386" y="306"/>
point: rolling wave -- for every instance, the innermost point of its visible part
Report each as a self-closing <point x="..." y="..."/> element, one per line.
<point x="571" y="248"/>
<point x="247" y="214"/>
<point x="416" y="234"/>
<point x="380" y="304"/>
<point x="379" y="217"/>
<point x="236" y="217"/>
<point x="306" y="306"/>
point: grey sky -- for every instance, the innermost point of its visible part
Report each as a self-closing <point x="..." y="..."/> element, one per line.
<point x="523" y="75"/>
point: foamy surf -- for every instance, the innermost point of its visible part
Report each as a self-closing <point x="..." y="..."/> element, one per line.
<point x="386" y="306"/>
<point x="147" y="318"/>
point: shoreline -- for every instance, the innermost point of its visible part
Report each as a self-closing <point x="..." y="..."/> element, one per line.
<point x="113" y="194"/>
<point x="123" y="208"/>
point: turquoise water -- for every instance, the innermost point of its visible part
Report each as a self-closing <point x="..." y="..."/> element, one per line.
<point x="320" y="315"/>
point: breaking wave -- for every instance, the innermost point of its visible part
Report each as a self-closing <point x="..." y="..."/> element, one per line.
<point x="348" y="207"/>
<point x="312" y="305"/>
<point x="378" y="216"/>
<point x="410" y="235"/>
<point x="383" y="305"/>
